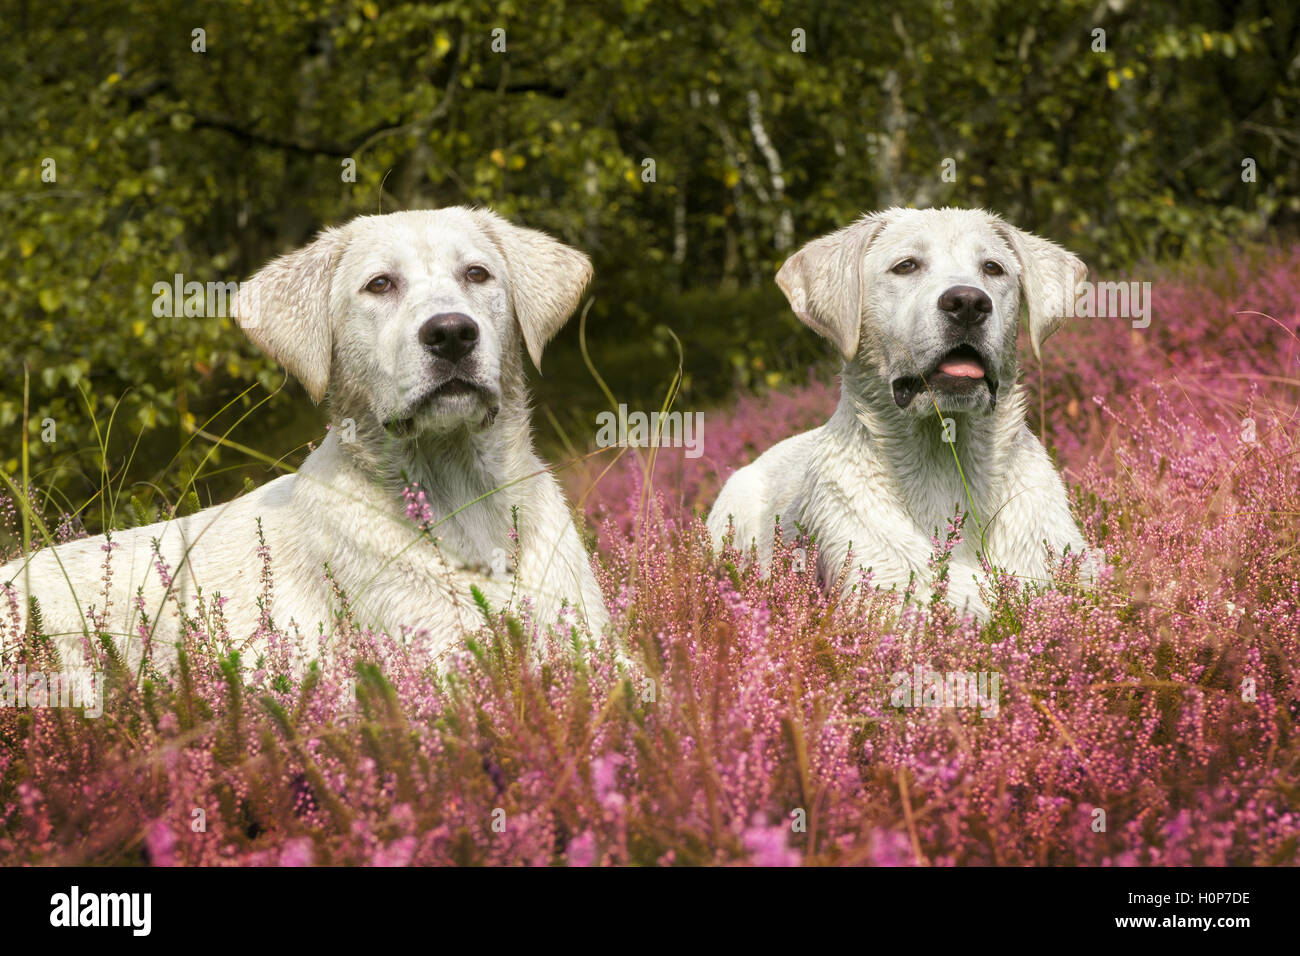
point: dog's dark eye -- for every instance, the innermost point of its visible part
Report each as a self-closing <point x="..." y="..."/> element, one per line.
<point x="477" y="274"/>
<point x="991" y="268"/>
<point x="904" y="267"/>
<point x="379" y="285"/>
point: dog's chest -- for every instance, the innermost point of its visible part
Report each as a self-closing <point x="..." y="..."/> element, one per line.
<point x="853" y="497"/>
<point x="465" y="506"/>
<point x="477" y="535"/>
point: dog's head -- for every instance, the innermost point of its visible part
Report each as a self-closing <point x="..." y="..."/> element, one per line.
<point x="413" y="316"/>
<point x="929" y="300"/>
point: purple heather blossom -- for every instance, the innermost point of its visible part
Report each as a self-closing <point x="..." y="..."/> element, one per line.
<point x="160" y="841"/>
<point x="582" y="849"/>
<point x="418" y="509"/>
<point x="767" y="845"/>
<point x="297" y="852"/>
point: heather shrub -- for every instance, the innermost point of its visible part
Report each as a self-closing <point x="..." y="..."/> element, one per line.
<point x="1147" y="717"/>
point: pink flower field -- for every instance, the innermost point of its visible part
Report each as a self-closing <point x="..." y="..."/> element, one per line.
<point x="1145" y="718"/>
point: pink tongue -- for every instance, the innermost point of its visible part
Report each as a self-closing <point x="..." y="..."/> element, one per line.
<point x="962" y="368"/>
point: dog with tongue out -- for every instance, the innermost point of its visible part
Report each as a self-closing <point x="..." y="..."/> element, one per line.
<point x="923" y="306"/>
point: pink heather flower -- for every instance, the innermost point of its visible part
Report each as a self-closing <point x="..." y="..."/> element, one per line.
<point x="164" y="572"/>
<point x="767" y="844"/>
<point x="418" y="509"/>
<point x="604" y="780"/>
<point x="891" y="848"/>
<point x="160" y="842"/>
<point x="404" y="816"/>
<point x="397" y="853"/>
<point x="1180" y="827"/>
<point x="582" y="850"/>
<point x="298" y="852"/>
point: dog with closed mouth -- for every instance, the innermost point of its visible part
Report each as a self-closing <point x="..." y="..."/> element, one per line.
<point x="413" y="325"/>
<point x="923" y="305"/>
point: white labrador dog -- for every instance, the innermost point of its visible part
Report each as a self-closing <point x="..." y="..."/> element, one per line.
<point x="924" y="307"/>
<point x="411" y="324"/>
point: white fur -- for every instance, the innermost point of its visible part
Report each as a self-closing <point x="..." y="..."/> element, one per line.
<point x="878" y="479"/>
<point x="472" y="453"/>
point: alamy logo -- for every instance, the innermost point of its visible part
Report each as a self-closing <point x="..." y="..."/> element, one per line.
<point x="40" y="689"/>
<point x="926" y="688"/>
<point x="1111" y="300"/>
<point x="655" y="430"/>
<point x="102" y="909"/>
<point x="179" y="298"/>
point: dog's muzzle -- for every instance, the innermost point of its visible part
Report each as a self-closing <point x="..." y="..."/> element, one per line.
<point x="446" y="397"/>
<point x="959" y="371"/>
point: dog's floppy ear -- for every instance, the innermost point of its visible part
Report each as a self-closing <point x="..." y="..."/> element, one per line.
<point x="1049" y="276"/>
<point x="823" y="282"/>
<point x="284" y="310"/>
<point x="546" y="279"/>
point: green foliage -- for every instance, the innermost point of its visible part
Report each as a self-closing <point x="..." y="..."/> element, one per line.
<point x="169" y="161"/>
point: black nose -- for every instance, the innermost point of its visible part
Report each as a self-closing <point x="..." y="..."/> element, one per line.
<point x="966" y="305"/>
<point x="450" y="336"/>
